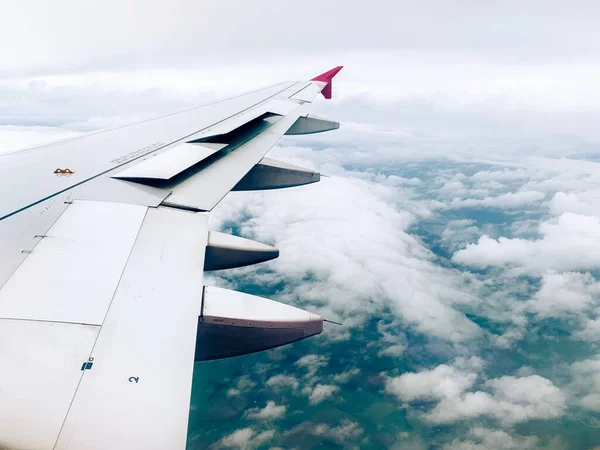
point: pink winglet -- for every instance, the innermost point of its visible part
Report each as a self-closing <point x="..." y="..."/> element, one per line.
<point x="327" y="77"/>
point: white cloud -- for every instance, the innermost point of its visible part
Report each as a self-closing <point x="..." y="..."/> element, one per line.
<point x="245" y="439"/>
<point x="395" y="180"/>
<point x="444" y="381"/>
<point x="347" y="430"/>
<point x="586" y="203"/>
<point x="453" y="189"/>
<point x="281" y="381"/>
<point x="563" y="293"/>
<point x="504" y="175"/>
<point x="585" y="383"/>
<point x="360" y="252"/>
<point x="570" y="243"/>
<point x="511" y="200"/>
<point x="343" y="433"/>
<point x="486" y="439"/>
<point x="513" y="399"/>
<point x="395" y="351"/>
<point x="270" y="412"/>
<point x="590" y="331"/>
<point x="320" y="392"/>
<point x="345" y="376"/>
<point x="243" y="385"/>
<point x="312" y="363"/>
<point x="394" y="343"/>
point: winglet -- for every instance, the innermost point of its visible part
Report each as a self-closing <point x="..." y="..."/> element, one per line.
<point x="327" y="77"/>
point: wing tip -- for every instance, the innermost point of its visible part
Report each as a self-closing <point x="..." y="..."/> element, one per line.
<point x="327" y="77"/>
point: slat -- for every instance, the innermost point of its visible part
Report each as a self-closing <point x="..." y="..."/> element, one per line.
<point x="137" y="394"/>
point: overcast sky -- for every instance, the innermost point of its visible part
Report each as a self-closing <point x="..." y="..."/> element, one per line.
<point x="66" y="35"/>
<point x="509" y="69"/>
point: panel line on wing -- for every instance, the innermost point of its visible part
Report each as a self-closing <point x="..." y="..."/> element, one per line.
<point x="50" y="321"/>
<point x="298" y="91"/>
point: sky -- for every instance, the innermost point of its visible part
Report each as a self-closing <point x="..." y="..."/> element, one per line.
<point x="456" y="238"/>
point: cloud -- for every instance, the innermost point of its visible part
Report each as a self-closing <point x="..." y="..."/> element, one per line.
<point x="568" y="244"/>
<point x="563" y="294"/>
<point x="395" y="351"/>
<point x="347" y="431"/>
<point x="345" y="376"/>
<point x="444" y="381"/>
<point x="453" y="189"/>
<point x="511" y="200"/>
<point x="487" y="439"/>
<point x="360" y="250"/>
<point x="586" y="203"/>
<point x="245" y="439"/>
<point x="590" y="331"/>
<point x="513" y="399"/>
<point x="281" y="381"/>
<point x="394" y="343"/>
<point x="270" y="412"/>
<point x="312" y="363"/>
<point x="320" y="392"/>
<point x="243" y="385"/>
<point x="585" y="383"/>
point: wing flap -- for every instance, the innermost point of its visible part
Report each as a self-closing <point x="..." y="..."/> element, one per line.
<point x="41" y="368"/>
<point x="137" y="394"/>
<point x="70" y="276"/>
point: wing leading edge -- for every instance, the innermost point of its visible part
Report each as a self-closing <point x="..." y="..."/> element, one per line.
<point x="103" y="310"/>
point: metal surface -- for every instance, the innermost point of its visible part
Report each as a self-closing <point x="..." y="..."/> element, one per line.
<point x="40" y="370"/>
<point x="137" y="395"/>
<point x="72" y="273"/>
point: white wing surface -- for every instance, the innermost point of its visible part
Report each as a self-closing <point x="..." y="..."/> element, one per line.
<point x="104" y="242"/>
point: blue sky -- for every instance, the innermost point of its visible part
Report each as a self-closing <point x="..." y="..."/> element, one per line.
<point x="456" y="238"/>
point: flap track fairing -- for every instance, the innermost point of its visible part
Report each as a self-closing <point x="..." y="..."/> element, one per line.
<point x="232" y="323"/>
<point x="272" y="174"/>
<point x="225" y="251"/>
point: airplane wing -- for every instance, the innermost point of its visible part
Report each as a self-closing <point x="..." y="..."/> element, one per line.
<point x="104" y="241"/>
